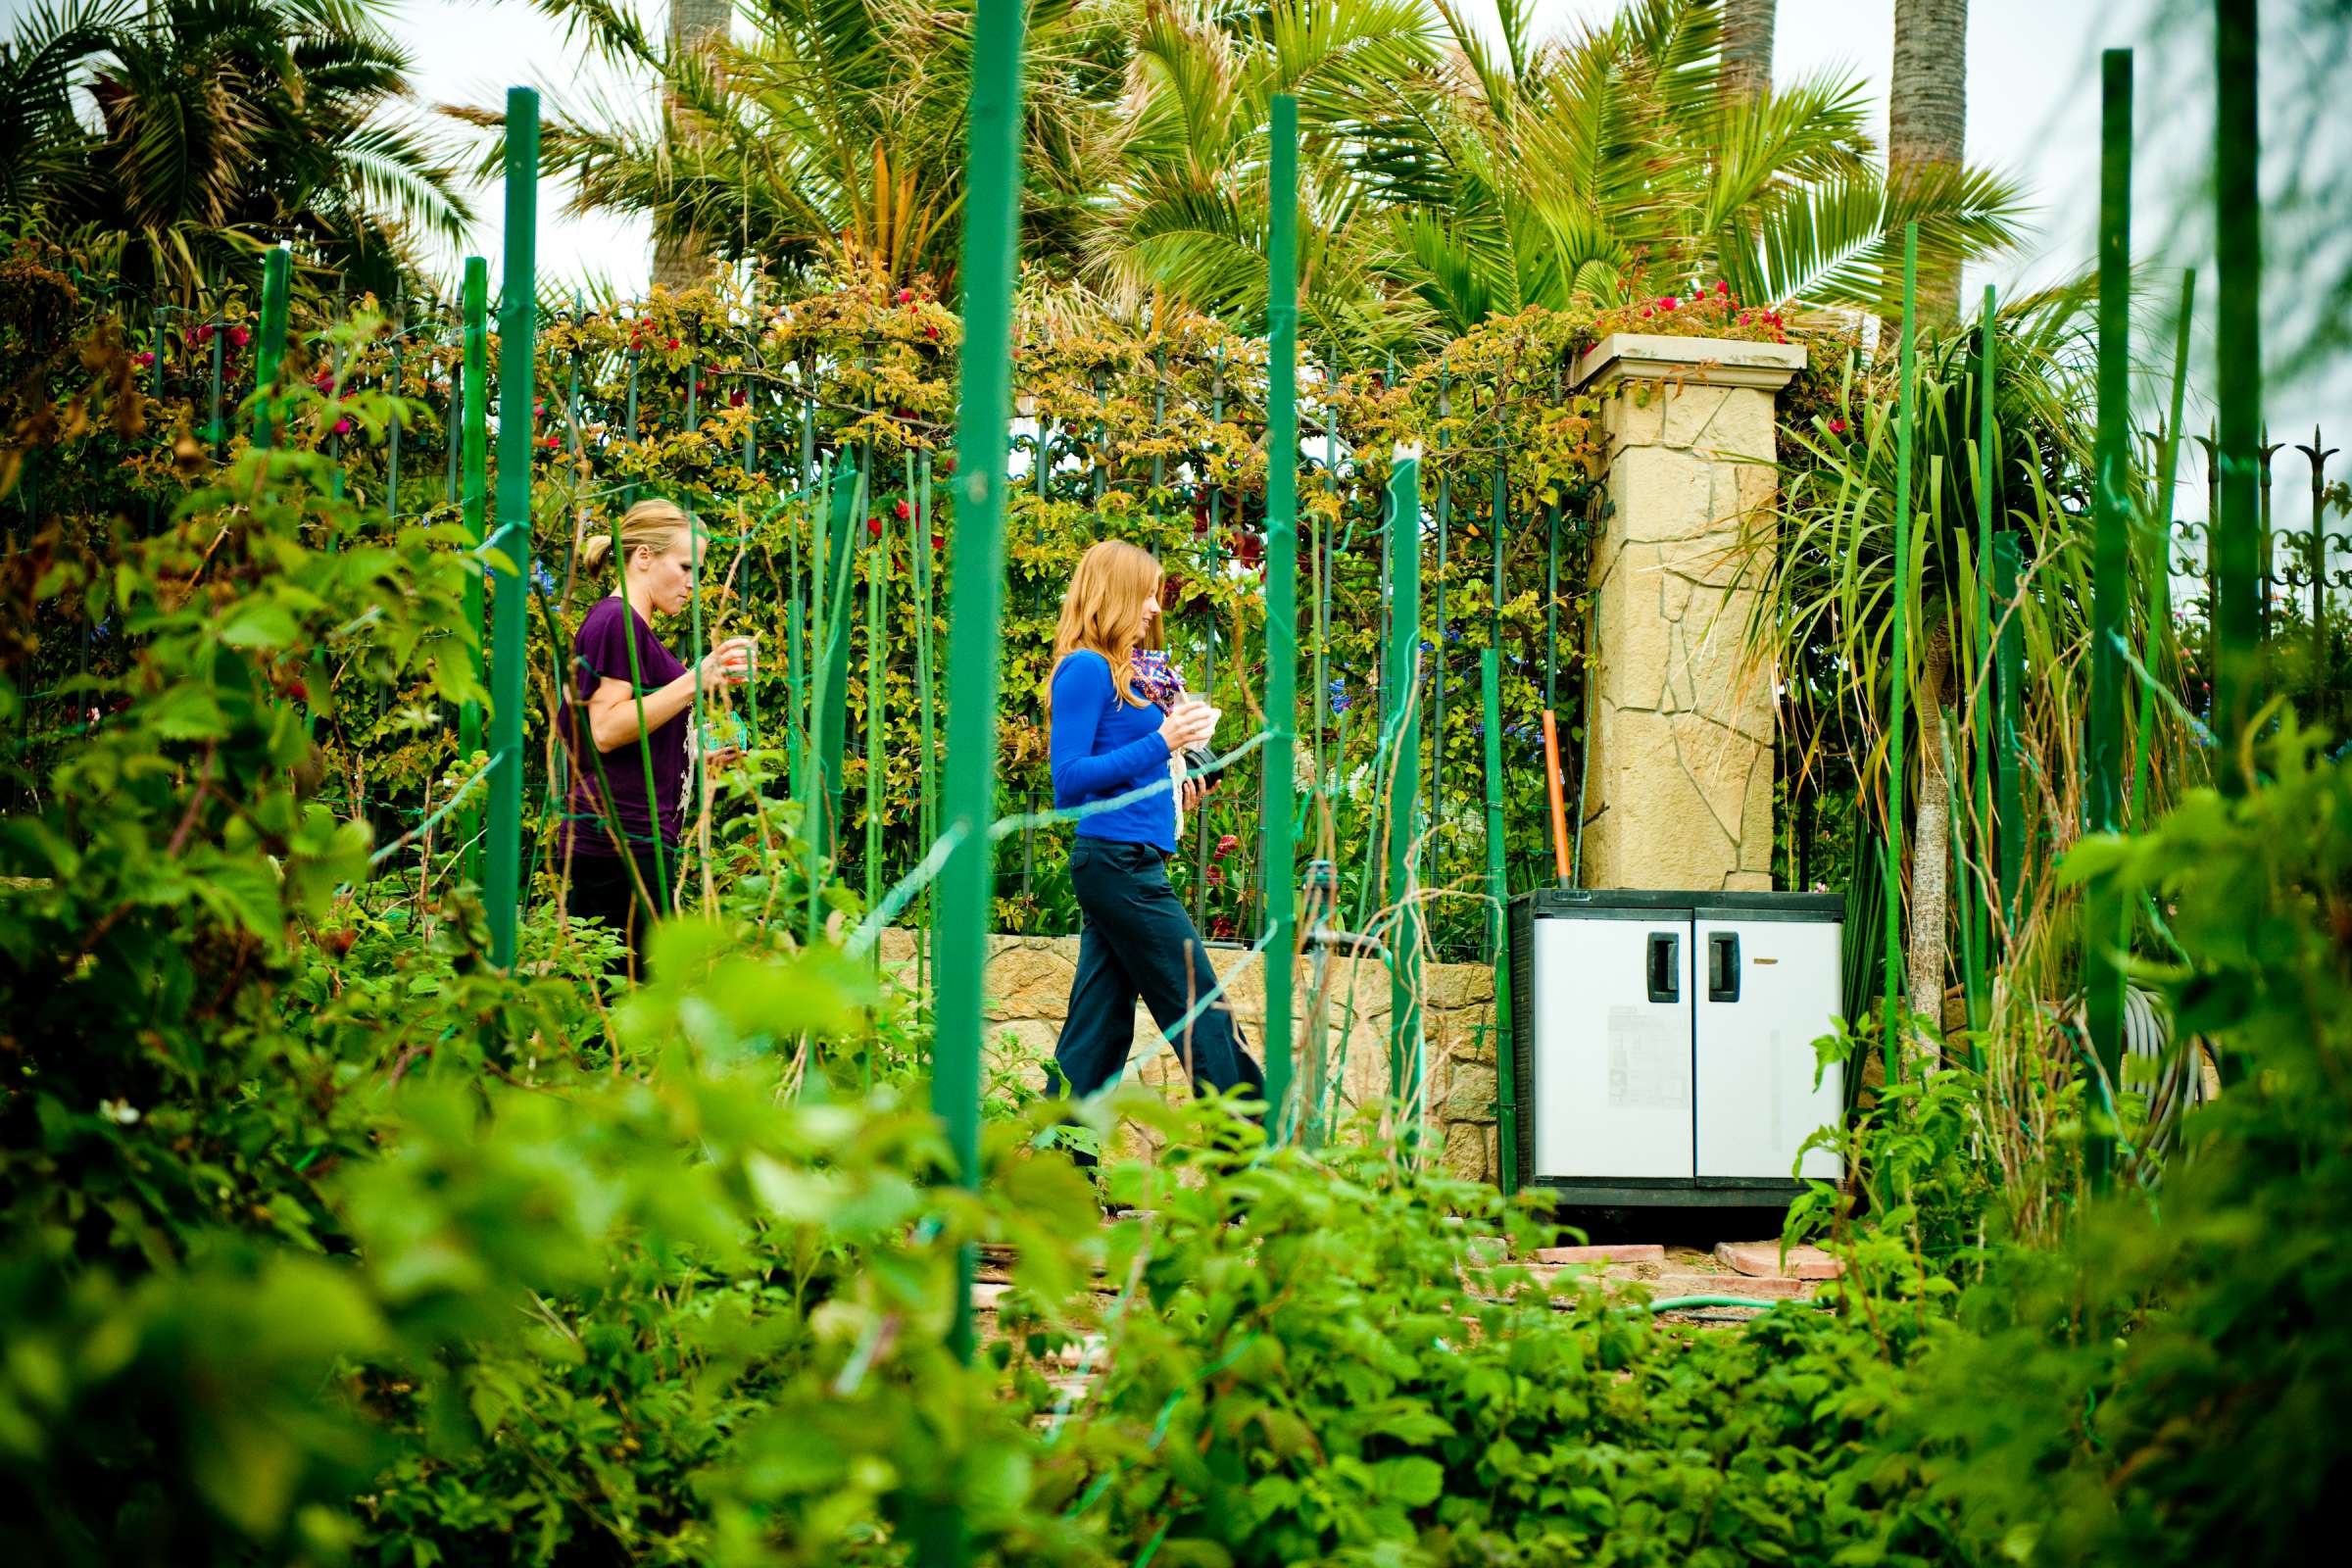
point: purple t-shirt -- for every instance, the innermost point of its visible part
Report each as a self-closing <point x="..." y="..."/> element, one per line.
<point x="600" y="651"/>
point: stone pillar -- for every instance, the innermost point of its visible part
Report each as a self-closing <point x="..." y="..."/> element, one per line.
<point x="1678" y="736"/>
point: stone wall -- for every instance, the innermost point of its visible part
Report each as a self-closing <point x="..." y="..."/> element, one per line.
<point x="1028" y="988"/>
<point x="1679" y="745"/>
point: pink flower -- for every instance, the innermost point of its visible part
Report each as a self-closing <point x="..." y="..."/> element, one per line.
<point x="1837" y="427"/>
<point x="342" y="427"/>
<point x="1228" y="844"/>
<point x="238" y="336"/>
<point x="905" y="296"/>
<point x="144" y="359"/>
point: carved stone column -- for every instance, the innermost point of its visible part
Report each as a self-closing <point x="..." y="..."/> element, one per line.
<point x="1678" y="738"/>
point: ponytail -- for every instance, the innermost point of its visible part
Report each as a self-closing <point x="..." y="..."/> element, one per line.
<point x="651" y="524"/>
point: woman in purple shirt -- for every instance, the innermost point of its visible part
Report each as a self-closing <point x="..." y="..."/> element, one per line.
<point x="631" y="703"/>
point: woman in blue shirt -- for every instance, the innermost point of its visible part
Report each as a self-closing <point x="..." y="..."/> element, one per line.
<point x="1108" y="739"/>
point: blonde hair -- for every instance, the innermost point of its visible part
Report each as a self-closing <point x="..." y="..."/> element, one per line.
<point x="1098" y="612"/>
<point x="651" y="524"/>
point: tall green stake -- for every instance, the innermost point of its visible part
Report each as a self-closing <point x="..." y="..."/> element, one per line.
<point x="2104" y="764"/>
<point x="2234" y="535"/>
<point x="1506" y="1064"/>
<point x="2157" y="559"/>
<point x="1403" y="721"/>
<point x="1976" y="823"/>
<point x="993" y="180"/>
<point x="473" y="424"/>
<point x="1279" y="804"/>
<point x="270" y="366"/>
<point x="2009" y="770"/>
<point x="1898" y="657"/>
<point x="518" y="323"/>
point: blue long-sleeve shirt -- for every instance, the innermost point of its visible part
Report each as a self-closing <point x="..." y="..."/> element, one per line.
<point x="1102" y="747"/>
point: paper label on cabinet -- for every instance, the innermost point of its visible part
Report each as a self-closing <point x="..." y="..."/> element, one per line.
<point x="1650" y="1059"/>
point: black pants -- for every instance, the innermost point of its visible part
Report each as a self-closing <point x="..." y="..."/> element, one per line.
<point x="603" y="889"/>
<point x="1137" y="942"/>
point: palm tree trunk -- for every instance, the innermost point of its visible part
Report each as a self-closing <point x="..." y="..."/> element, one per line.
<point x="1748" y="48"/>
<point x="682" y="257"/>
<point x="1930" y="842"/>
<point x="1926" y="121"/>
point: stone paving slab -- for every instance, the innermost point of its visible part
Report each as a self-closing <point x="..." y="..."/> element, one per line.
<point x="1762" y="1260"/>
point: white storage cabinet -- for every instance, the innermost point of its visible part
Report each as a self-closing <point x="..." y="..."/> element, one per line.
<point x="1665" y="1043"/>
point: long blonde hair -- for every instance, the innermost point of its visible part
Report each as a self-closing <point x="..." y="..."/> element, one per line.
<point x="652" y="523"/>
<point x="1099" y="613"/>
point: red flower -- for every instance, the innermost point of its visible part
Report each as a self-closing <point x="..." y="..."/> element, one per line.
<point x="930" y="331"/>
<point x="874" y="526"/>
<point x="202" y="335"/>
<point x="902" y="511"/>
<point x="554" y="443"/>
<point x="1837" y="427"/>
<point x="1743" y="317"/>
<point x="145" y="358"/>
<point x="300" y="692"/>
<point x="939" y="542"/>
<point x="1220" y="928"/>
<point x="1216" y="876"/>
<point x="673" y="342"/>
<point x="1227" y="845"/>
<point x="1723" y="290"/>
<point x="239" y="337"/>
<point x="906" y="295"/>
<point x="735" y="398"/>
<point x="342" y="427"/>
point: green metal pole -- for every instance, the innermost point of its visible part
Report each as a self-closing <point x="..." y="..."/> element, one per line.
<point x="831" y="626"/>
<point x="1402" y="718"/>
<point x="1279" y="804"/>
<point x="2009" y="776"/>
<point x="1977" y="887"/>
<point x="976" y="649"/>
<point x="474" y="496"/>
<point x="2157" y="564"/>
<point x="2104" y="762"/>
<point x="927" y="525"/>
<point x="1437" y="739"/>
<point x="2234" y="536"/>
<point x="877" y="574"/>
<point x="269" y="364"/>
<point x="1898" y="658"/>
<point x="518" y="323"/>
<point x="392" y="432"/>
<point x="1507" y="1066"/>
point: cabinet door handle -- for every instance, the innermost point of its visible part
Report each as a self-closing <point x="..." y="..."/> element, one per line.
<point x="1723" y="967"/>
<point x="1665" y="967"/>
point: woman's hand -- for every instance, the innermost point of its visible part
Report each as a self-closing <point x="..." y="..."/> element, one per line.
<point x="1187" y="724"/>
<point x="727" y="665"/>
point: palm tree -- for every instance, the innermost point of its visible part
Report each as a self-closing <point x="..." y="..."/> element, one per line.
<point x="1927" y="124"/>
<point x="220" y="127"/>
<point x="1486" y="179"/>
<point x="682" y="257"/>
<point x="832" y="132"/>
<point x="1186" y="216"/>
<point x="1747" y="26"/>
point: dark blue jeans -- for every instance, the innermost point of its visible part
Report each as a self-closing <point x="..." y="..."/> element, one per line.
<point x="1138" y="942"/>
